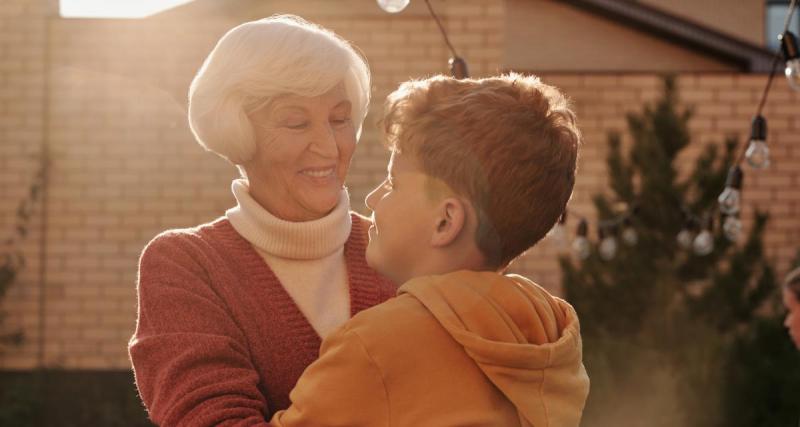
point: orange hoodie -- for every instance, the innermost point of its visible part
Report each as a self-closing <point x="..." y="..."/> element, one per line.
<point x="464" y="348"/>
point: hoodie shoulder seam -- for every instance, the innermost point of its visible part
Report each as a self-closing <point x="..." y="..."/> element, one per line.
<point x="541" y="388"/>
<point x="380" y="373"/>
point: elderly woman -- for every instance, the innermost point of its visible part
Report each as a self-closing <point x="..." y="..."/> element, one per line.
<point x="791" y="300"/>
<point x="231" y="312"/>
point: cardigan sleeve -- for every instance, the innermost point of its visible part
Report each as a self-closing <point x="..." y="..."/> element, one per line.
<point x="190" y="359"/>
<point x="344" y="387"/>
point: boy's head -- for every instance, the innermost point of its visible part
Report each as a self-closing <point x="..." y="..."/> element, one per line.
<point x="481" y="169"/>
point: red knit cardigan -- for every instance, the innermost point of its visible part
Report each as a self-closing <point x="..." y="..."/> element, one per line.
<point x="218" y="340"/>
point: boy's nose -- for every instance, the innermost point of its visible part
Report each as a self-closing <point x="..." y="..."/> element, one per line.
<point x="372" y="197"/>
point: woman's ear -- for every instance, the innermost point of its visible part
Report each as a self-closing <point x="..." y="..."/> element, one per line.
<point x="451" y="222"/>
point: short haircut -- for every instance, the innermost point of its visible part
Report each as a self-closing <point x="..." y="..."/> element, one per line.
<point x="257" y="61"/>
<point x="792" y="282"/>
<point x="508" y="144"/>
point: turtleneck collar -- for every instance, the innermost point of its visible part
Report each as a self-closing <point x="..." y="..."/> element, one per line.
<point x="294" y="240"/>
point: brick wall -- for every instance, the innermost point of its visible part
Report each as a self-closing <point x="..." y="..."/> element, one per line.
<point x="22" y="116"/>
<point x="724" y="104"/>
<point x="125" y="166"/>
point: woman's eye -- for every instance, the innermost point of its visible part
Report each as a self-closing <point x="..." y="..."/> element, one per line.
<point x="297" y="125"/>
<point x="341" y="121"/>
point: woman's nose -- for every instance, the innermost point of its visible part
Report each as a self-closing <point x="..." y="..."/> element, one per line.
<point x="324" y="142"/>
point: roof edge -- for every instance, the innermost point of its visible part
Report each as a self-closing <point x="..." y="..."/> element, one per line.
<point x="743" y="54"/>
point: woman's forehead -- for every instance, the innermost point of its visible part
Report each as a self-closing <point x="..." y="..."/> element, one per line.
<point x="334" y="97"/>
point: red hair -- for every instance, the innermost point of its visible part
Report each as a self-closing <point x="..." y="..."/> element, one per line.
<point x="509" y="144"/>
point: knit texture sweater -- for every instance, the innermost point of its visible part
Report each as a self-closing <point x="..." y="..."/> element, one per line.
<point x="307" y="257"/>
<point x="218" y="340"/>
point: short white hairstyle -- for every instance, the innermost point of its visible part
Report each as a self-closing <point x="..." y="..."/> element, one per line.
<point x="259" y="60"/>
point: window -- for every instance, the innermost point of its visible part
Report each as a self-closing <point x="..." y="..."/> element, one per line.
<point x="115" y="8"/>
<point x="775" y="16"/>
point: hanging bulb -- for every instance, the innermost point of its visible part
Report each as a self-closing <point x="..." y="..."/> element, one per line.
<point x="704" y="242"/>
<point x="608" y="245"/>
<point x="581" y="245"/>
<point x="757" y="152"/>
<point x="732" y="227"/>
<point x="685" y="239"/>
<point x="629" y="235"/>
<point x="686" y="235"/>
<point x="393" y="6"/>
<point x="792" y="58"/>
<point x="729" y="199"/>
<point x="458" y="67"/>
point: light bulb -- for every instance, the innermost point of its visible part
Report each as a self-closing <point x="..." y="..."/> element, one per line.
<point x="608" y="248"/>
<point x="629" y="236"/>
<point x="729" y="201"/>
<point x="732" y="227"/>
<point x="581" y="247"/>
<point x="393" y="6"/>
<point x="758" y="152"/>
<point x="793" y="73"/>
<point x="730" y="197"/>
<point x="703" y="244"/>
<point x="685" y="239"/>
<point x="792" y="58"/>
<point x="458" y="67"/>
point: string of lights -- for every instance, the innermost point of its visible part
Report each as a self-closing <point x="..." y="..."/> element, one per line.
<point x="457" y="64"/>
<point x="696" y="233"/>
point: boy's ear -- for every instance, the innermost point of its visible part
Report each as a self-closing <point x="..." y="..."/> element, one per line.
<point x="451" y="221"/>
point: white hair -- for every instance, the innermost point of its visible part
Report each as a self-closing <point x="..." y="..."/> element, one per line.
<point x="259" y="60"/>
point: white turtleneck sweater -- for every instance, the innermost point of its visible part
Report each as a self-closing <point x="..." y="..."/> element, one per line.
<point x="307" y="257"/>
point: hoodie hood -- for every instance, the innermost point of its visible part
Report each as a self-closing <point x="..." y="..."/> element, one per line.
<point x="526" y="341"/>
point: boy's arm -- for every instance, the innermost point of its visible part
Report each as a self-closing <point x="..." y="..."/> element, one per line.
<point x="344" y="387"/>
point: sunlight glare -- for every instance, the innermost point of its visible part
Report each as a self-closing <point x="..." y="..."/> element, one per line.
<point x="115" y="8"/>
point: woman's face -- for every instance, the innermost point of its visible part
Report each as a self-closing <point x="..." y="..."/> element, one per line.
<point x="303" y="151"/>
<point x="792" y="321"/>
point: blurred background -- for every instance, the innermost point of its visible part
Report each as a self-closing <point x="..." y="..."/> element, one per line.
<point x="96" y="92"/>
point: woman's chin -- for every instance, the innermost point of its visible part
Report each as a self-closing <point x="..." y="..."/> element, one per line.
<point x="323" y="203"/>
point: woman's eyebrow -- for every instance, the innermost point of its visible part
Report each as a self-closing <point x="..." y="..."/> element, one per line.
<point x="343" y="103"/>
<point x="290" y="107"/>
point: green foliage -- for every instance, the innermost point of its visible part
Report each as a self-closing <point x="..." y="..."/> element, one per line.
<point x="664" y="328"/>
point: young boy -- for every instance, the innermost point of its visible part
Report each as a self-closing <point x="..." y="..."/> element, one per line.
<point x="480" y="171"/>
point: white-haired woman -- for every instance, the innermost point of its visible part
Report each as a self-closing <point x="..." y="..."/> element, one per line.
<point x="231" y="312"/>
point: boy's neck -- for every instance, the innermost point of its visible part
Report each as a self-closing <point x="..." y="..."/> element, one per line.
<point x="454" y="258"/>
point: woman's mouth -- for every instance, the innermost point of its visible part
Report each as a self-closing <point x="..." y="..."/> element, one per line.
<point x="318" y="173"/>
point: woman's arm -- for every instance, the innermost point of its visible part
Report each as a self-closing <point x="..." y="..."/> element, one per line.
<point x="344" y="387"/>
<point x="190" y="359"/>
